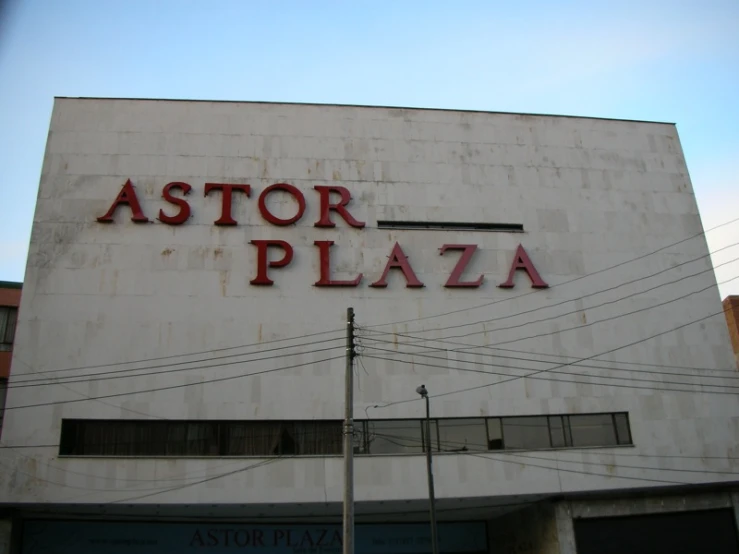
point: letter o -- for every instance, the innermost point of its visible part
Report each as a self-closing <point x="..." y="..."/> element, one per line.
<point x="245" y="538"/>
<point x="284" y="187"/>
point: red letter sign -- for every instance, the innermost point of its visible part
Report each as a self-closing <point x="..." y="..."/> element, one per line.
<point x="299" y="198"/>
<point x="398" y="260"/>
<point x="340" y="207"/>
<point x="184" y="212"/>
<point x="262" y="264"/>
<point x="126" y="197"/>
<point x="227" y="190"/>
<point x="521" y="261"/>
<point x="325" y="261"/>
<point x="469" y="250"/>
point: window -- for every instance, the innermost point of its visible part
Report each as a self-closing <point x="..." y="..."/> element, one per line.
<point x="201" y="438"/>
<point x="495" y="434"/>
<point x="402" y="436"/>
<point x="622" y="428"/>
<point x="592" y="430"/>
<point x="325" y="438"/>
<point x="459" y="435"/>
<point x="557" y="432"/>
<point x="527" y="433"/>
<point x="3" y="392"/>
<point x="8" y="319"/>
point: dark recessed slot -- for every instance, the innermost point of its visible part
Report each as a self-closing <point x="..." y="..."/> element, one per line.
<point x="447" y="225"/>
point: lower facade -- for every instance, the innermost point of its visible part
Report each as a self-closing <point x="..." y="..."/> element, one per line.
<point x="700" y="522"/>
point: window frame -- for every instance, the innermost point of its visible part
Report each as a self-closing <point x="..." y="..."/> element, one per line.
<point x="72" y="436"/>
<point x="9" y="313"/>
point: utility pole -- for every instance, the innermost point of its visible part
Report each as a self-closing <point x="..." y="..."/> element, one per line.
<point x="348" y="543"/>
<point x="432" y="501"/>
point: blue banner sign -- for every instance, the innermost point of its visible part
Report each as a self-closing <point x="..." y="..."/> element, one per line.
<point x="62" y="537"/>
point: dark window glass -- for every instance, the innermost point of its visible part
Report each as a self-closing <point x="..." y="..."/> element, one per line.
<point x="3" y="392"/>
<point x="183" y="438"/>
<point x="622" y="428"/>
<point x="557" y="431"/>
<point x="8" y="320"/>
<point x="526" y="432"/>
<point x="360" y="437"/>
<point x="395" y="436"/>
<point x="306" y="438"/>
<point x="457" y="435"/>
<point x="495" y="434"/>
<point x="592" y="430"/>
<point x="320" y="437"/>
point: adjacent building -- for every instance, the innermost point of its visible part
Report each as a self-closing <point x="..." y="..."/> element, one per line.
<point x="183" y="335"/>
<point x="10" y="297"/>
<point x="731" y="309"/>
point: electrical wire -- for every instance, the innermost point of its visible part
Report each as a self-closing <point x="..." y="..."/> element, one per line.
<point x="202" y="481"/>
<point x="571" y="381"/>
<point x="562" y="302"/>
<point x="10" y="469"/>
<point x="196" y="353"/>
<point x="133" y="369"/>
<point x="507" y="460"/>
<point x="182" y="385"/>
<point x="489" y="455"/>
<point x="588" y="324"/>
<point x="628" y="345"/>
<point x="485" y="364"/>
<point x="17" y="359"/>
<point x="84" y="379"/>
<point x="538" y="291"/>
<point x="469" y="347"/>
<point x="108" y="478"/>
<point x="483" y="448"/>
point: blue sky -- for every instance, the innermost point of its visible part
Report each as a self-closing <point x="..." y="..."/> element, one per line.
<point x="671" y="60"/>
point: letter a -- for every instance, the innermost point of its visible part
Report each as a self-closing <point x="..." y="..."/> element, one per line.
<point x="398" y="260"/>
<point x="126" y="197"/>
<point x="521" y="260"/>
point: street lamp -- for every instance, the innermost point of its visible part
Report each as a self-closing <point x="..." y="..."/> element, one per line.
<point x="432" y="502"/>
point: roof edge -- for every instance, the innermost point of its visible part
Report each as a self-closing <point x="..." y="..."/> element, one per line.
<point x="262" y="102"/>
<point x="10" y="285"/>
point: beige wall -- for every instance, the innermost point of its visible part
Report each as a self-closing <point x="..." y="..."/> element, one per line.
<point x="589" y="193"/>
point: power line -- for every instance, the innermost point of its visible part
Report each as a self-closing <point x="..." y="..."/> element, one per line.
<point x="610" y="363"/>
<point x="128" y="370"/>
<point x="200" y="482"/>
<point x="560" y="303"/>
<point x="494" y="457"/>
<point x="10" y="468"/>
<point x="538" y="291"/>
<point x="85" y="379"/>
<point x="570" y="381"/>
<point x="483" y="364"/>
<point x="734" y="374"/>
<point x="621" y="362"/>
<point x="449" y="443"/>
<point x="482" y="448"/>
<point x="88" y="397"/>
<point x="485" y="331"/>
<point x="568" y="364"/>
<point x="732" y="377"/>
<point x="198" y="353"/>
<point x="219" y="379"/>
<point x="589" y="324"/>
<point x="490" y="456"/>
<point x="105" y="477"/>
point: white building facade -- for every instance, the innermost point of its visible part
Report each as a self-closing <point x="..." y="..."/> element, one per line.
<point x="179" y="361"/>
